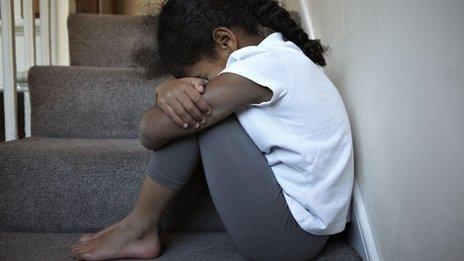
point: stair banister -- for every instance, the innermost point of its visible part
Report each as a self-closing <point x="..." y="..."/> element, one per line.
<point x="53" y="50"/>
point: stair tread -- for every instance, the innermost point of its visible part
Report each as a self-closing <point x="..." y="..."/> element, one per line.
<point x="77" y="185"/>
<point x="44" y="144"/>
<point x="176" y="246"/>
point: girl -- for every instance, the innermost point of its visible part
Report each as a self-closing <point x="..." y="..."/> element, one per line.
<point x="271" y="129"/>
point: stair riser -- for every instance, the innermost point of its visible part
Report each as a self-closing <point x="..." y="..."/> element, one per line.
<point x="114" y="41"/>
<point x="84" y="102"/>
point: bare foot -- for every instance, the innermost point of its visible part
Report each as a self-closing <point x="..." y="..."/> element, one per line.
<point x="125" y="239"/>
<point x="89" y="236"/>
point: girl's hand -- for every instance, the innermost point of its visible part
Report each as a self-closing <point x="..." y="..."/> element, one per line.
<point x="182" y="101"/>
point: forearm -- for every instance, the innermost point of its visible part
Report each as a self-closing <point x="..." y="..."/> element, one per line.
<point x="225" y="95"/>
<point x="156" y="128"/>
<point x="151" y="136"/>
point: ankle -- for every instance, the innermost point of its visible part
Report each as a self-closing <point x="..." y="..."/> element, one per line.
<point x="140" y="224"/>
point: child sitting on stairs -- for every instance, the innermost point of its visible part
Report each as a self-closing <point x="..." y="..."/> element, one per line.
<point x="249" y="99"/>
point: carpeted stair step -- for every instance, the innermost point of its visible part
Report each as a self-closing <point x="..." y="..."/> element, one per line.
<point x="113" y="41"/>
<point x="176" y="247"/>
<point x="79" y="185"/>
<point x="86" y="102"/>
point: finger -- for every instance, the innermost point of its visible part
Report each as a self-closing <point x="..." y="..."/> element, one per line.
<point x="198" y="84"/>
<point x="199" y="101"/>
<point x="180" y="111"/>
<point x="190" y="107"/>
<point x="168" y="110"/>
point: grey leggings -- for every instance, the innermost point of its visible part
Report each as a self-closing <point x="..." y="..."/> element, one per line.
<point x="244" y="190"/>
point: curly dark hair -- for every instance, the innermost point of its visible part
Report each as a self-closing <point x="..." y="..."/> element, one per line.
<point x="186" y="26"/>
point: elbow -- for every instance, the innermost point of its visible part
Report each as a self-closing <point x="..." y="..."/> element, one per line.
<point x="149" y="136"/>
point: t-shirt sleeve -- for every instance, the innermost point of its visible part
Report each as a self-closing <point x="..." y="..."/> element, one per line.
<point x="262" y="66"/>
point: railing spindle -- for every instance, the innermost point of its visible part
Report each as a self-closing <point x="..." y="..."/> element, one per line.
<point x="10" y="96"/>
<point x="17" y="9"/>
<point x="29" y="52"/>
<point x="45" y="32"/>
<point x="29" y="33"/>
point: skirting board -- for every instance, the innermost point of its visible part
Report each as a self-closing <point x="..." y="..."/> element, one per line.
<point x="360" y="232"/>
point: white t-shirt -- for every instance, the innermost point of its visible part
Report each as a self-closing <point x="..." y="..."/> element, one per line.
<point x="303" y="131"/>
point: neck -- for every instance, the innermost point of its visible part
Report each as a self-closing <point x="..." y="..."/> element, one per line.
<point x="246" y="39"/>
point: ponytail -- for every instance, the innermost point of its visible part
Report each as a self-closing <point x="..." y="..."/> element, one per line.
<point x="270" y="14"/>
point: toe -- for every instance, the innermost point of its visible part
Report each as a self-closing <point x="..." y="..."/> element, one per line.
<point x="85" y="256"/>
<point x="83" y="253"/>
<point x="86" y="237"/>
<point x="78" y="248"/>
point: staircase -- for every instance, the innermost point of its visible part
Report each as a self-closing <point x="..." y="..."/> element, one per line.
<point x="83" y="166"/>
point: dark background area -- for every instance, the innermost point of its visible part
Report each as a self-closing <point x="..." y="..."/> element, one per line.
<point x="20" y="117"/>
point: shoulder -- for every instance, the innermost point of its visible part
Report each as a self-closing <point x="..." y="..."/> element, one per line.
<point x="263" y="66"/>
<point x="255" y="54"/>
<point x="260" y="61"/>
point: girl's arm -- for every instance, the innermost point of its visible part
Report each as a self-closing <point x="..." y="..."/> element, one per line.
<point x="225" y="94"/>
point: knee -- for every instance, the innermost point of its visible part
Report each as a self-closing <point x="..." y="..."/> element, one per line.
<point x="229" y="133"/>
<point x="230" y="124"/>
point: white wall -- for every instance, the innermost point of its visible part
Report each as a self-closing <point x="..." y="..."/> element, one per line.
<point x="399" y="66"/>
<point x="291" y="5"/>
